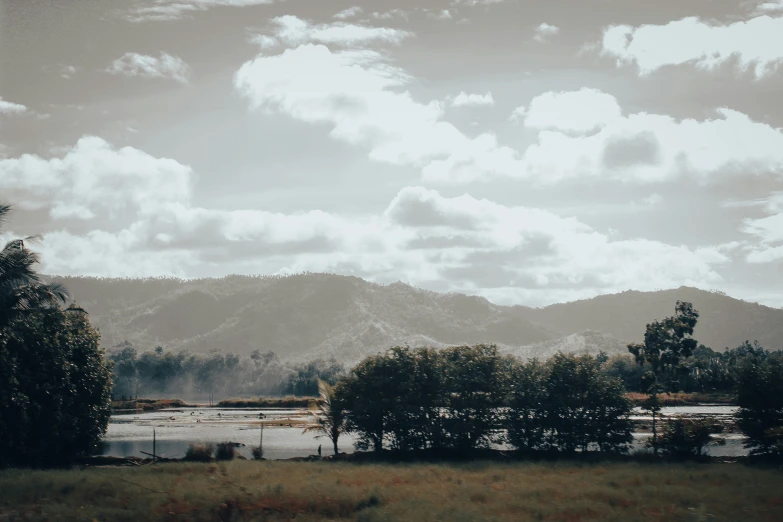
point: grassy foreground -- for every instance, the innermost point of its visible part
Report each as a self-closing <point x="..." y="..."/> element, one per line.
<point x="250" y="490"/>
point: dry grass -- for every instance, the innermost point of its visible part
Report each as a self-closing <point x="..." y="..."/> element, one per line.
<point x="268" y="402"/>
<point x="683" y="399"/>
<point x="252" y="490"/>
<point x="148" y="404"/>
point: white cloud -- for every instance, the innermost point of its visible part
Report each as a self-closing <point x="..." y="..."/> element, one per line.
<point x="7" y="107"/>
<point x="756" y="43"/>
<point x="464" y="99"/>
<point x="518" y="114"/>
<point x="579" y="111"/>
<point x="167" y="66"/>
<point x="393" y="13"/>
<point x="770" y="7"/>
<point x="67" y="71"/>
<point x="544" y="32"/>
<point x="363" y="97"/>
<point x="351" y="12"/>
<point x="291" y="31"/>
<point x="768" y="230"/>
<point x="460" y="243"/>
<point x="653" y="148"/>
<point x="443" y="14"/>
<point x="168" y="10"/>
<point x="94" y="178"/>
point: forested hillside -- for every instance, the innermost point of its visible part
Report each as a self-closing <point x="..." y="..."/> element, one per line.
<point x="320" y="315"/>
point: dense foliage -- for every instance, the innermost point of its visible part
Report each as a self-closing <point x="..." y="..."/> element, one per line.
<point x="467" y="397"/>
<point x="760" y="400"/>
<point x="55" y="388"/>
<point x="54" y="382"/>
<point x="163" y="373"/>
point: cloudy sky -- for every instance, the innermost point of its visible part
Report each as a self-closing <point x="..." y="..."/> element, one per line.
<point x="529" y="151"/>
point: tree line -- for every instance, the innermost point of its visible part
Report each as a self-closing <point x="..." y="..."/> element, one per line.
<point x="464" y="398"/>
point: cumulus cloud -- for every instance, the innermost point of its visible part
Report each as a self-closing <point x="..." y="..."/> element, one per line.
<point x="464" y="99"/>
<point x="291" y="30"/>
<point x="579" y="111"/>
<point x="544" y="32"/>
<point x="756" y="43"/>
<point x="166" y="66"/>
<point x="7" y="107"/>
<point x="365" y="100"/>
<point x="168" y="10"/>
<point x="421" y="236"/>
<point x="654" y="148"/>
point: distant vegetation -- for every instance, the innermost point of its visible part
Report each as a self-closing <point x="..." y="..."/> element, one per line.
<point x="158" y="373"/>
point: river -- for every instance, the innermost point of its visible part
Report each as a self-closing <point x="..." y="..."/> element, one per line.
<point x="283" y="437"/>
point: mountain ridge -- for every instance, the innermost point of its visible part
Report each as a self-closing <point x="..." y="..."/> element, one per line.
<point x="322" y="315"/>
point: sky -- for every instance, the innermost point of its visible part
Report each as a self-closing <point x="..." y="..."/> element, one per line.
<point x="530" y="152"/>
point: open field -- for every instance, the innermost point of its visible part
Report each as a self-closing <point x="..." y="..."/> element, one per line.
<point x="252" y="490"/>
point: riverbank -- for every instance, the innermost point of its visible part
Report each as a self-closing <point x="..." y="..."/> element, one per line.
<point x="146" y="405"/>
<point x="140" y="405"/>
<point x="472" y="491"/>
<point x="685" y="399"/>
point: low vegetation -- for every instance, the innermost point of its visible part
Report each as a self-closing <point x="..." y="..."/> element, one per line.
<point x="269" y="402"/>
<point x="478" y="491"/>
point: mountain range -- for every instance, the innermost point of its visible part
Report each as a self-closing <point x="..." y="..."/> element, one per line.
<point x="306" y="316"/>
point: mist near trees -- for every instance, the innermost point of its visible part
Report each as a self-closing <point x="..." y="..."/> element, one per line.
<point x="160" y="373"/>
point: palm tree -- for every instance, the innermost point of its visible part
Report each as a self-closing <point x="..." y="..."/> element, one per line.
<point x="21" y="288"/>
<point x="330" y="416"/>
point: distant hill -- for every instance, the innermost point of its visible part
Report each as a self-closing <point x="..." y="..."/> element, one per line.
<point x="587" y="342"/>
<point x="321" y="315"/>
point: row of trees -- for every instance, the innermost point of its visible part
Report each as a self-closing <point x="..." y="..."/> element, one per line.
<point x="55" y="385"/>
<point x="468" y="397"/>
<point x="161" y="373"/>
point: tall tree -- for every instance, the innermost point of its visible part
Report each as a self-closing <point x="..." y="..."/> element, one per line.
<point x="666" y="344"/>
<point x="330" y="417"/>
<point x="21" y="288"/>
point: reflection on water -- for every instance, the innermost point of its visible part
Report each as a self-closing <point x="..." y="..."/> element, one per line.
<point x="175" y="430"/>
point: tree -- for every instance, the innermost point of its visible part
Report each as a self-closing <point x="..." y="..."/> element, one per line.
<point x="666" y="343"/>
<point x="583" y="407"/>
<point x="368" y="399"/>
<point x="55" y="388"/>
<point x="21" y="288"/>
<point x="330" y="419"/>
<point x="474" y="389"/>
<point x="525" y="418"/>
<point x="760" y="401"/>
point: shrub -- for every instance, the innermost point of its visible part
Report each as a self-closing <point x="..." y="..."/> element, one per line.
<point x="200" y="452"/>
<point x="683" y="438"/>
<point x="257" y="451"/>
<point x="225" y="451"/>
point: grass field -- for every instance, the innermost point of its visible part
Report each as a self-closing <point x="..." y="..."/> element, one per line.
<point x="479" y="491"/>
